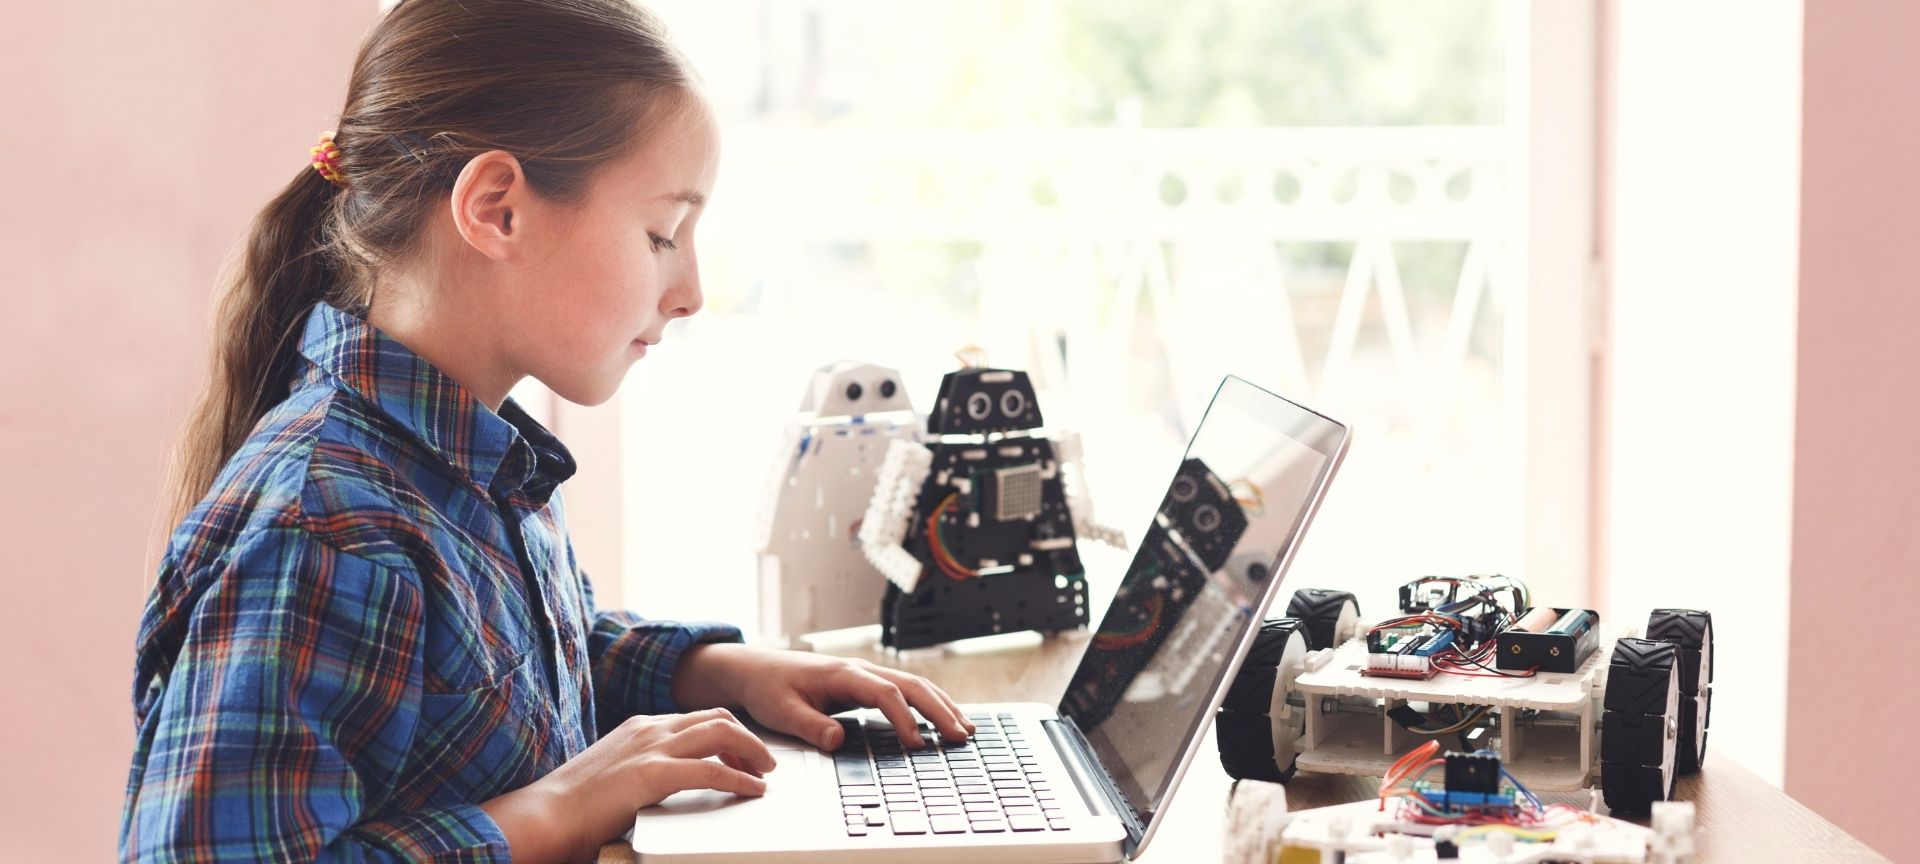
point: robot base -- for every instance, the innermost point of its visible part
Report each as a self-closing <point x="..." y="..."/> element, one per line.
<point x="939" y="609"/>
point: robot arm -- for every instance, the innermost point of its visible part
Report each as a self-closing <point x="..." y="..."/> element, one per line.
<point x="883" y="531"/>
<point x="1066" y="448"/>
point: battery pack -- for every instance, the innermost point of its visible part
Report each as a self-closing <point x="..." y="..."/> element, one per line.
<point x="1561" y="647"/>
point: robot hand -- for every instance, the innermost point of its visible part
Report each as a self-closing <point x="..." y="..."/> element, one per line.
<point x="883" y="530"/>
<point x="1066" y="448"/>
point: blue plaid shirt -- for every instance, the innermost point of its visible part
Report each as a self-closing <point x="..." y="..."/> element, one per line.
<point x="373" y="623"/>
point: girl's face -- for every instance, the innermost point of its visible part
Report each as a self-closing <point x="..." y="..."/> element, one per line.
<point x="612" y="269"/>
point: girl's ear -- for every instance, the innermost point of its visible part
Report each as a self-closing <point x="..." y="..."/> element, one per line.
<point x="488" y="200"/>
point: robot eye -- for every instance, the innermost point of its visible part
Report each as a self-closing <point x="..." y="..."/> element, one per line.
<point x="888" y="388"/>
<point x="853" y="392"/>
<point x="1012" y="403"/>
<point x="1206" y="518"/>
<point x="979" y="405"/>
<point x="1184" y="489"/>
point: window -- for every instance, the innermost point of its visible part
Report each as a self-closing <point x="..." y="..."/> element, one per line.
<point x="1127" y="199"/>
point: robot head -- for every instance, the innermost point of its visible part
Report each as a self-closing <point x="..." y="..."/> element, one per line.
<point x="849" y="389"/>
<point x="978" y="401"/>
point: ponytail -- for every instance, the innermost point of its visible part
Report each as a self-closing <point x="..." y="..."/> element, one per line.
<point x="287" y="269"/>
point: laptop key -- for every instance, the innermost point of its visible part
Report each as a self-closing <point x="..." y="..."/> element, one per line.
<point x="1057" y="824"/>
<point x="1026" y="823"/>
<point x="852" y="769"/>
<point x="856" y="830"/>
<point x="948" y="824"/>
<point x="909" y="823"/>
<point x="989" y="826"/>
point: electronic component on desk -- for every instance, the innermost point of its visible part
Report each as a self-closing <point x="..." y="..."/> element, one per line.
<point x="1472" y="772"/>
<point x="1480" y="815"/>
<point x="1426" y="592"/>
<point x="1482" y="604"/>
<point x="1452" y="801"/>
<point x="1563" y="646"/>
<point x="1537" y="620"/>
<point x="1432" y="592"/>
<point x="1403" y="654"/>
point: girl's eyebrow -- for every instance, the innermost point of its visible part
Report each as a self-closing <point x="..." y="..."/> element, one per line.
<point x="689" y="197"/>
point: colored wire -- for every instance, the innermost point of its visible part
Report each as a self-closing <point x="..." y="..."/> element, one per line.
<point x="937" y="544"/>
<point x="1518" y="785"/>
<point x="1522" y="833"/>
<point x="1472" y="719"/>
<point x="1259" y="500"/>
<point x="971" y="357"/>
<point x="1403" y="767"/>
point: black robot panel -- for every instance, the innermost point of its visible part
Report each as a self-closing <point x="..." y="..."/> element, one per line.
<point x="979" y="401"/>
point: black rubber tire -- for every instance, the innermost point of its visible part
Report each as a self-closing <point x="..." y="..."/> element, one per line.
<point x="1242" y="727"/>
<point x="1319" y="609"/>
<point x="1691" y="631"/>
<point x="1642" y="684"/>
<point x="1246" y="747"/>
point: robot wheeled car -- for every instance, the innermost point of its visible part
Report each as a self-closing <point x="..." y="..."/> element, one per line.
<point x="1470" y="662"/>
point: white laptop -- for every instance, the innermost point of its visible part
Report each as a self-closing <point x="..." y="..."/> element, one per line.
<point x="1088" y="779"/>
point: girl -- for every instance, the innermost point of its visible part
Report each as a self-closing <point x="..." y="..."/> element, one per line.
<point x="369" y="639"/>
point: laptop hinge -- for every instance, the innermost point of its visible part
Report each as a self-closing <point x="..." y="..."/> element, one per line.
<point x="1095" y="784"/>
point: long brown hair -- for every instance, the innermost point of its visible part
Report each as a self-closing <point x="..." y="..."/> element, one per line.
<point x="562" y="84"/>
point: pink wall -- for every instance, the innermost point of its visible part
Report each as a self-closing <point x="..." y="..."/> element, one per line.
<point x="1856" y="537"/>
<point x="137" y="140"/>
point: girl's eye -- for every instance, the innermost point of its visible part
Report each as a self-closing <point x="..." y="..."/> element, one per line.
<point x="660" y="242"/>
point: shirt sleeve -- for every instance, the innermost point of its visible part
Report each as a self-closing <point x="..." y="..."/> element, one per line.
<point x="633" y="658"/>
<point x="287" y="716"/>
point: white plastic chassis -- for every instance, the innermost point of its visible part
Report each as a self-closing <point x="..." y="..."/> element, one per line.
<point x="1347" y="730"/>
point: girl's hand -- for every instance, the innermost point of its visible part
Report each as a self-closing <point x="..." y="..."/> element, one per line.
<point x="793" y="691"/>
<point x="567" y="814"/>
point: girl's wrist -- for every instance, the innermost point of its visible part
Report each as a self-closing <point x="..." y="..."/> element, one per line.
<point x="537" y="823"/>
<point x="708" y="676"/>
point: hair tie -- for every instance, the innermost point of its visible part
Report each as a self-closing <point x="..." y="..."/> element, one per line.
<point x="326" y="160"/>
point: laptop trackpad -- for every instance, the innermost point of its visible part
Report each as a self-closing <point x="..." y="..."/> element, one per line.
<point x="797" y="801"/>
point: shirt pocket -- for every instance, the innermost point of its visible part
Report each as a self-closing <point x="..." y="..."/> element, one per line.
<point x="477" y="743"/>
<point x="478" y="631"/>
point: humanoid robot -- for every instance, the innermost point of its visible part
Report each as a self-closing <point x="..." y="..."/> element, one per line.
<point x="975" y="529"/>
<point x="813" y="574"/>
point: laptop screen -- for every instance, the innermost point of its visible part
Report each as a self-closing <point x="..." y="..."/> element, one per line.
<point x="1200" y="582"/>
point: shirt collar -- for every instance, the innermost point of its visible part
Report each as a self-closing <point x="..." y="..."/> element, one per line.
<point x="506" y="453"/>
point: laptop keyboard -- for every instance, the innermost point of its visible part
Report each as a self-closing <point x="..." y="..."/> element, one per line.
<point x="991" y="784"/>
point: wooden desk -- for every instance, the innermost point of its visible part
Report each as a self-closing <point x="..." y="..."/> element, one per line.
<point x="1740" y="818"/>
